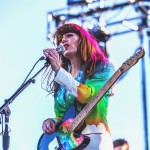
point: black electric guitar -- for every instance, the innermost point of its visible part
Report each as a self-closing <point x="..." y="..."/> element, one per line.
<point x="66" y="135"/>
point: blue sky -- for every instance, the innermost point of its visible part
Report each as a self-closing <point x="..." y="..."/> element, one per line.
<point x="22" y="39"/>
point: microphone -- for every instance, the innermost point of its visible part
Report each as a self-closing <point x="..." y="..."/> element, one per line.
<point x="60" y="49"/>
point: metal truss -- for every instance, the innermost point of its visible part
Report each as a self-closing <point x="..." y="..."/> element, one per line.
<point x="106" y="21"/>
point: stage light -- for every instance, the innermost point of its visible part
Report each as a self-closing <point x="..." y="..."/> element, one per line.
<point x="89" y="1"/>
<point x="62" y="18"/>
<point x="90" y="6"/>
<point x="105" y="30"/>
<point x="50" y="17"/>
<point x="90" y="26"/>
<point x="132" y="1"/>
<point x="101" y="4"/>
<point x="102" y="22"/>
<point x="130" y="25"/>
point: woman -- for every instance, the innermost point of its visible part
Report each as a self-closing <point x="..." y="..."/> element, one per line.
<point x="80" y="73"/>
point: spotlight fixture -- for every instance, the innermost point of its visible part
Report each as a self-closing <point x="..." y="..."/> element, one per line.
<point x="130" y="25"/>
<point x="101" y="34"/>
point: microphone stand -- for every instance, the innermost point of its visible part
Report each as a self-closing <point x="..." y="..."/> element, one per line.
<point x="6" y="137"/>
<point x="4" y="109"/>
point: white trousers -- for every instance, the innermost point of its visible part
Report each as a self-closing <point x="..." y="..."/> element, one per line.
<point x="100" y="139"/>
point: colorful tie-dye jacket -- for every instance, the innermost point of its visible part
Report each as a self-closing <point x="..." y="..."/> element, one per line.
<point x="72" y="89"/>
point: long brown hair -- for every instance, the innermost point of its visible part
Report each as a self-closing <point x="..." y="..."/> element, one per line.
<point x="89" y="50"/>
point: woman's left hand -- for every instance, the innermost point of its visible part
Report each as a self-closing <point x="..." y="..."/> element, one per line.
<point x="52" y="55"/>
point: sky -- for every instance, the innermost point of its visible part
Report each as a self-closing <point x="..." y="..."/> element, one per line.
<point x="23" y="30"/>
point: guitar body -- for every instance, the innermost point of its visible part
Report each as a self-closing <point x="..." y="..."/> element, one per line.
<point x="68" y="140"/>
<point x="45" y="139"/>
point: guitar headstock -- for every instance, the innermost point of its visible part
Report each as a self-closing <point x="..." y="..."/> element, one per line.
<point x="132" y="60"/>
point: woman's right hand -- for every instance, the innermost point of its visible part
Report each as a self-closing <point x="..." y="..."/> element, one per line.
<point x="48" y="126"/>
<point x="52" y="55"/>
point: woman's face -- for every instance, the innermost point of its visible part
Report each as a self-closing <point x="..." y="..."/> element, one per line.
<point x="70" y="41"/>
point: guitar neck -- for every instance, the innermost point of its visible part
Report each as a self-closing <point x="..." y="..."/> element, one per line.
<point x="88" y="107"/>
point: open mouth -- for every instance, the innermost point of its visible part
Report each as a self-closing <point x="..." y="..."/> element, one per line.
<point x="66" y="46"/>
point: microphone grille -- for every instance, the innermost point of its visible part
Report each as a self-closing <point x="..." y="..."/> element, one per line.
<point x="60" y="49"/>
